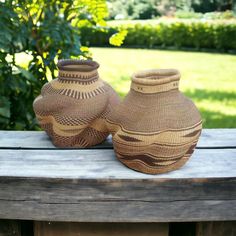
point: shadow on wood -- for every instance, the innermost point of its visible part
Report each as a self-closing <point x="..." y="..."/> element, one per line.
<point x="100" y="229"/>
<point x="10" y="228"/>
<point x="182" y="229"/>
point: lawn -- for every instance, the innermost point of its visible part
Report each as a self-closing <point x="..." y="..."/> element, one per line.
<point x="209" y="79"/>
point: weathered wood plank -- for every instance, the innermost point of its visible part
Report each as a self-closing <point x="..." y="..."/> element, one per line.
<point x="47" y="190"/>
<point x="102" y="164"/>
<point x="210" y="138"/>
<point x="10" y="228"/>
<point x="121" y="211"/>
<point x="100" y="229"/>
<point x="224" y="228"/>
<point x="35" y="140"/>
<point x="91" y="185"/>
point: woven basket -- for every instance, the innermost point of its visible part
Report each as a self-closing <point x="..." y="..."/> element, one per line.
<point x="72" y="108"/>
<point x="156" y="128"/>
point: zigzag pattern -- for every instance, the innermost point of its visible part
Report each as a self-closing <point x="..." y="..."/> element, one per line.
<point x="155" y="157"/>
<point x="82" y="140"/>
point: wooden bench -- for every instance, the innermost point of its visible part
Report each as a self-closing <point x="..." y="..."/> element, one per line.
<point x="48" y="185"/>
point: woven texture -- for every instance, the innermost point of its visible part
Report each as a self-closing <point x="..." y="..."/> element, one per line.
<point x="156" y="128"/>
<point x="72" y="108"/>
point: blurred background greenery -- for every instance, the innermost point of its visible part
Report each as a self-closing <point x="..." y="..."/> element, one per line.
<point x="195" y="36"/>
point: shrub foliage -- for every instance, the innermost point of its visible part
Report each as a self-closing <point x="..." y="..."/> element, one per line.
<point x="219" y="35"/>
<point x="151" y="9"/>
<point x="45" y="30"/>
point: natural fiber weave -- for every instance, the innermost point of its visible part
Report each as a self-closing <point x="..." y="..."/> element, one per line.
<point x="72" y="108"/>
<point x="156" y="128"/>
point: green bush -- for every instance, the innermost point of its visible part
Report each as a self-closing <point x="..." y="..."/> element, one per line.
<point x="133" y="9"/>
<point x="45" y="31"/>
<point x="225" y="15"/>
<point x="211" y="5"/>
<point x="188" y="15"/>
<point x="186" y="9"/>
<point x="220" y="35"/>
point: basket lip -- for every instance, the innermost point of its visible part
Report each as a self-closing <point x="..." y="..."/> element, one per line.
<point x="64" y="63"/>
<point x="155" y="76"/>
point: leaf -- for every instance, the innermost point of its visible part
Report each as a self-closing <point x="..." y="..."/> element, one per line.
<point x="46" y="30"/>
<point x="5" y="107"/>
<point x="28" y="75"/>
<point x="118" y="38"/>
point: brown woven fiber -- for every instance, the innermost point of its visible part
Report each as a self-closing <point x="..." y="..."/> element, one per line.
<point x="156" y="128"/>
<point x="72" y="108"/>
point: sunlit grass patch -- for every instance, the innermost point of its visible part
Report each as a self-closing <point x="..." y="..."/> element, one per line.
<point x="209" y="79"/>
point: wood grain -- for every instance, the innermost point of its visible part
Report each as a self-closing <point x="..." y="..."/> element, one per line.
<point x="102" y="164"/>
<point x="40" y="182"/>
<point x="100" y="229"/>
<point x="121" y="211"/>
<point x="61" y="190"/>
<point x="36" y="140"/>
<point x="90" y="185"/>
<point x="210" y="138"/>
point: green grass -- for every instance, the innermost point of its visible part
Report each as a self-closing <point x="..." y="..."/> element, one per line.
<point x="209" y="79"/>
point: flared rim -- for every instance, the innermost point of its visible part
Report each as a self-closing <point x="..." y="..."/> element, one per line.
<point x="77" y="65"/>
<point x="155" y="76"/>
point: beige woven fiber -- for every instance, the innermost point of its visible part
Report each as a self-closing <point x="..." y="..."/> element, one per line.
<point x="73" y="107"/>
<point x="156" y="128"/>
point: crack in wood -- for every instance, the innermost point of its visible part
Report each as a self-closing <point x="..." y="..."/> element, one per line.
<point x="115" y="200"/>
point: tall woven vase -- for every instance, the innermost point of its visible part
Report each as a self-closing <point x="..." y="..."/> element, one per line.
<point x="72" y="108"/>
<point x="156" y="128"/>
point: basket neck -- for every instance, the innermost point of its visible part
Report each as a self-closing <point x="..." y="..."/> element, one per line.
<point x="84" y="71"/>
<point x="155" y="81"/>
